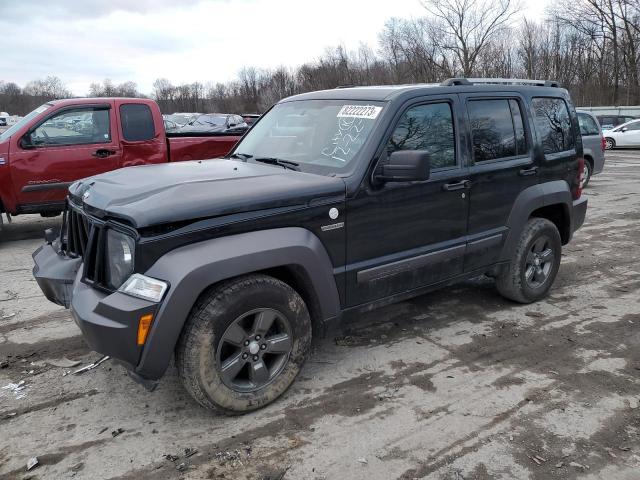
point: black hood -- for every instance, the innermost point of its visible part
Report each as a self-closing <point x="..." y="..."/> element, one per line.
<point x="157" y="194"/>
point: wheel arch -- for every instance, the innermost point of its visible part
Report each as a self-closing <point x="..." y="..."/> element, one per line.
<point x="293" y="255"/>
<point x="551" y="200"/>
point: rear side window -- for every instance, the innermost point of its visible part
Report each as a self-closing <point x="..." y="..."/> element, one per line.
<point x="497" y="129"/>
<point x="588" y="125"/>
<point x="137" y="122"/>
<point x="553" y="124"/>
<point x="430" y="128"/>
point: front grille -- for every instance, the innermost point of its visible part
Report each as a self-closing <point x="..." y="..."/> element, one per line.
<point x="84" y="237"/>
<point x="75" y="231"/>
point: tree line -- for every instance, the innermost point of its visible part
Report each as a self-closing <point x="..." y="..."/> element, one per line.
<point x="592" y="47"/>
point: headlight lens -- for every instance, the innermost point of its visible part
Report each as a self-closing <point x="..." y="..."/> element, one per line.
<point x="120" y="250"/>
<point x="144" y="287"/>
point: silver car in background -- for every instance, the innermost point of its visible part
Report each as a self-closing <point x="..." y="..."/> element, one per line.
<point x="593" y="144"/>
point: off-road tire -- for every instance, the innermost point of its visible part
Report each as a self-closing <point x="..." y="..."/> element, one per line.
<point x="511" y="281"/>
<point x="214" y="312"/>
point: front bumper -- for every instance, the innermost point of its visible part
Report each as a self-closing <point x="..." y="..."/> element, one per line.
<point x="108" y="321"/>
<point x="54" y="274"/>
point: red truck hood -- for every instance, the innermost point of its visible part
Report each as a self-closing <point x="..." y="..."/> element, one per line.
<point x="165" y="193"/>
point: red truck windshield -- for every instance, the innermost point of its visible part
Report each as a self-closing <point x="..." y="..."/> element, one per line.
<point x="323" y="136"/>
<point x="26" y="119"/>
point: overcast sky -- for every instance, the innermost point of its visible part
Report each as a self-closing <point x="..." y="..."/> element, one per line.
<point x="83" y="41"/>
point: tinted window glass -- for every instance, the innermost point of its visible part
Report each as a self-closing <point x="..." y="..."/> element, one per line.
<point x="588" y="126"/>
<point x="74" y="127"/>
<point x="492" y="129"/>
<point x="429" y="128"/>
<point x="553" y="124"/>
<point x="137" y="122"/>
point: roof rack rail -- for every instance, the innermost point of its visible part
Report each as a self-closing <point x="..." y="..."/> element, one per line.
<point x="346" y="86"/>
<point x="499" y="81"/>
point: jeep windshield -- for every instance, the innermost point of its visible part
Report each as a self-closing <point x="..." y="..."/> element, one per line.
<point x="321" y="136"/>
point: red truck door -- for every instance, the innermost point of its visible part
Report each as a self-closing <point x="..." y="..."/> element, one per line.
<point x="71" y="143"/>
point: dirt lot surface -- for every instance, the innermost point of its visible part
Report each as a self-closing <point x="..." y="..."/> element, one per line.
<point x="457" y="384"/>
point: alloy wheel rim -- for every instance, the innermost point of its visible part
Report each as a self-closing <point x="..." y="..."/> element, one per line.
<point x="539" y="262"/>
<point x="254" y="349"/>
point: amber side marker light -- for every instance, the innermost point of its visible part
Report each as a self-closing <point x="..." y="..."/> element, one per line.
<point x="144" y="324"/>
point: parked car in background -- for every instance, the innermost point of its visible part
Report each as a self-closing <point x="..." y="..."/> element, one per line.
<point x="170" y="126"/>
<point x="250" y="118"/>
<point x="626" y="135"/>
<point x="3" y="121"/>
<point x="215" y="123"/>
<point x="65" y="140"/>
<point x="609" y="122"/>
<point x="593" y="143"/>
<point x="181" y="119"/>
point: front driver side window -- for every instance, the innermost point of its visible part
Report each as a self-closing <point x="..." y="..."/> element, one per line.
<point x="74" y="127"/>
<point x="430" y="128"/>
<point x="633" y="126"/>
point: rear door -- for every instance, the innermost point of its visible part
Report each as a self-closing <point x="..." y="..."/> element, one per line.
<point x="143" y="141"/>
<point x="405" y="235"/>
<point x="502" y="166"/>
<point x="71" y="143"/>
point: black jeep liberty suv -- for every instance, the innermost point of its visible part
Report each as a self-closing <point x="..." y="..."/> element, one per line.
<point x="334" y="202"/>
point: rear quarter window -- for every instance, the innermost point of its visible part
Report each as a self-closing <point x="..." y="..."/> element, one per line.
<point x="553" y="124"/>
<point x="137" y="122"/>
<point x="588" y="125"/>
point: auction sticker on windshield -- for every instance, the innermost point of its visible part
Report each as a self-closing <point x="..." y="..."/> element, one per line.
<point x="360" y="111"/>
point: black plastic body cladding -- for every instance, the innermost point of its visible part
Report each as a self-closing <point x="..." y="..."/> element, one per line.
<point x="529" y="200"/>
<point x="191" y="269"/>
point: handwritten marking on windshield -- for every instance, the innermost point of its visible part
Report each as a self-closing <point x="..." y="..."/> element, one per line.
<point x="348" y="134"/>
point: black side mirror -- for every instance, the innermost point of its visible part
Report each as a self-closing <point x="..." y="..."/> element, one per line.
<point x="405" y="166"/>
<point x="26" y="142"/>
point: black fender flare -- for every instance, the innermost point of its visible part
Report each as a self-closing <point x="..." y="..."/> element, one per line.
<point x="529" y="200"/>
<point x="191" y="269"/>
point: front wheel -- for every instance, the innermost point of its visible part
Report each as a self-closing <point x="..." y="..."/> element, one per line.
<point x="244" y="344"/>
<point x="534" y="265"/>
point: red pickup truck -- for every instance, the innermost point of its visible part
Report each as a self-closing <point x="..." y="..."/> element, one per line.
<point x="65" y="140"/>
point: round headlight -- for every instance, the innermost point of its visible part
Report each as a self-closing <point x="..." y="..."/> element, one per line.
<point x="120" y="249"/>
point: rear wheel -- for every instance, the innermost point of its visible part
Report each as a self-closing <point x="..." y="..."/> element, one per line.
<point x="609" y="143"/>
<point x="586" y="175"/>
<point x="244" y="344"/>
<point x="534" y="265"/>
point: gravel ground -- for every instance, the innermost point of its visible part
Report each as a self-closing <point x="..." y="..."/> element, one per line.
<point x="456" y="384"/>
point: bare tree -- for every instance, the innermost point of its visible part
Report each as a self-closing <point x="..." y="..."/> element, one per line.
<point x="466" y="27"/>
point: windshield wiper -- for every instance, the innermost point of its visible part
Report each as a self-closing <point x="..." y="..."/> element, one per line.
<point x="278" y="161"/>
<point x="242" y="156"/>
